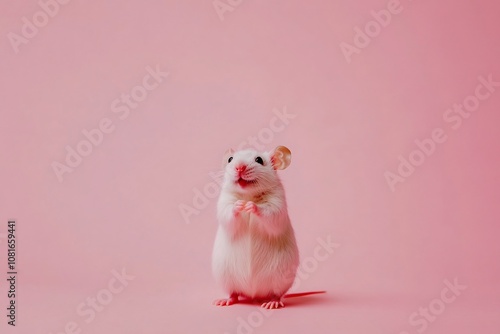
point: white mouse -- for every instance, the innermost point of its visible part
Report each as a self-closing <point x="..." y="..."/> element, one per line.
<point x="255" y="254"/>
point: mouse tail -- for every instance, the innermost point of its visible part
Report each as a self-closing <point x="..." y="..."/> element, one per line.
<point x="301" y="294"/>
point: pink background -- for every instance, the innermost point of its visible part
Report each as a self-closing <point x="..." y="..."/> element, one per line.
<point x="120" y="207"/>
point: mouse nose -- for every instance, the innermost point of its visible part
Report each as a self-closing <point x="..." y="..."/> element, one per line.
<point x="241" y="168"/>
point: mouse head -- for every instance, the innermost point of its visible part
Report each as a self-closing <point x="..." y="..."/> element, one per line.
<point x="249" y="170"/>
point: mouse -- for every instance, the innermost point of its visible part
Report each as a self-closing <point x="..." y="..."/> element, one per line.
<point x="255" y="254"/>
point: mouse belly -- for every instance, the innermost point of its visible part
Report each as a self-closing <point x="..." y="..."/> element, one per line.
<point x="255" y="266"/>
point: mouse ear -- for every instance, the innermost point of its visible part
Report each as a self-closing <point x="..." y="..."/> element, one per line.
<point x="226" y="156"/>
<point x="281" y="157"/>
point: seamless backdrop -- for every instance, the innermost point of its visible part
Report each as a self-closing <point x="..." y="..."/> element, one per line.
<point x="115" y="115"/>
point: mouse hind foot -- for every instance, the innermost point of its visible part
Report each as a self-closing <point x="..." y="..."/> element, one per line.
<point x="233" y="299"/>
<point x="274" y="303"/>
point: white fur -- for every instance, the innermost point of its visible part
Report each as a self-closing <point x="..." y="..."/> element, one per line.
<point x="254" y="255"/>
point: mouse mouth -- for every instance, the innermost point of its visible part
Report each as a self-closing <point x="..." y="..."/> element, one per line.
<point x="245" y="183"/>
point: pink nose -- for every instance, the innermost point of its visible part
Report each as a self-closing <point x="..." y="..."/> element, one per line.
<point x="241" y="168"/>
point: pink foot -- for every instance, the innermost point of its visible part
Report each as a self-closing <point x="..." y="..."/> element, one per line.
<point x="239" y="205"/>
<point x="226" y="301"/>
<point x="250" y="207"/>
<point x="273" y="304"/>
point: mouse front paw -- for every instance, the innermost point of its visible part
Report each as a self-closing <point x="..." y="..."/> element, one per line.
<point x="238" y="206"/>
<point x="251" y="207"/>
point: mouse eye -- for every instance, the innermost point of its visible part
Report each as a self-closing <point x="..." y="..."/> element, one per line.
<point x="230" y="159"/>
<point x="259" y="160"/>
